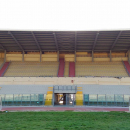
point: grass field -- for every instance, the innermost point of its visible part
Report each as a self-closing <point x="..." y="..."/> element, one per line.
<point x="64" y="121"/>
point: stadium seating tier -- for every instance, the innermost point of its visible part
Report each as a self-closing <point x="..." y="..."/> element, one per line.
<point x="32" y="69"/>
<point x="106" y="69"/>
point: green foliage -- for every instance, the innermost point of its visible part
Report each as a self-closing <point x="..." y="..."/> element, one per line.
<point x="64" y="121"/>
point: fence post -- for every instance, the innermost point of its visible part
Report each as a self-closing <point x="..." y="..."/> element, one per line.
<point x="129" y="103"/>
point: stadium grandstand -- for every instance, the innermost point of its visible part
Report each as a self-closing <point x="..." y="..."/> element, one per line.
<point x="65" y="68"/>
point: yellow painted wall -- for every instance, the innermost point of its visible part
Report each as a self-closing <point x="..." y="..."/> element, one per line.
<point x="114" y="54"/>
<point x="31" y="57"/>
<point x="50" y="52"/>
<point x="13" y="57"/>
<point x="83" y="58"/>
<point x="104" y="53"/>
<point x="63" y="81"/>
<point x="1" y="55"/>
<point x="53" y="57"/>
<point x="81" y="53"/>
<point x="120" y="59"/>
<point x="101" y="59"/>
<point x="33" y="52"/>
<point x="69" y="57"/>
<point x="49" y="57"/>
<point x="61" y="55"/>
<point x="14" y="53"/>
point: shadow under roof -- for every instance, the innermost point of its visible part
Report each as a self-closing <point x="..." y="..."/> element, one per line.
<point x="98" y="41"/>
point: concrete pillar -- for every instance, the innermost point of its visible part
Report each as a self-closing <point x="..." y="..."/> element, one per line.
<point x="129" y="56"/>
<point x="58" y="56"/>
<point x="23" y="57"/>
<point x="40" y="56"/>
<point x="5" y="56"/>
<point x="110" y="57"/>
<point x="92" y="57"/>
<point x="75" y="56"/>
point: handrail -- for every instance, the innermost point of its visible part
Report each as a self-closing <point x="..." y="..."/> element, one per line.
<point x="2" y="65"/>
<point x="5" y="69"/>
<point x="126" y="68"/>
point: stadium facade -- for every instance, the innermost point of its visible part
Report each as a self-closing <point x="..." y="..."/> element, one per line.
<point x="63" y="68"/>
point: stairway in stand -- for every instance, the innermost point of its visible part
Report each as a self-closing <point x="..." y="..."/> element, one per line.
<point x="61" y="68"/>
<point x="4" y="68"/>
<point x="126" y="63"/>
<point x="72" y="69"/>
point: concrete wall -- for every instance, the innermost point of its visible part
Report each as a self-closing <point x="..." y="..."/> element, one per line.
<point x="1" y="55"/>
<point x="106" y="89"/>
<point x="13" y="57"/>
<point x="120" y="59"/>
<point x="24" y="89"/>
<point x="31" y="57"/>
<point x="35" y="85"/>
<point x="62" y="81"/>
<point x="69" y="57"/>
<point x="87" y="89"/>
<point x="17" y="56"/>
<point x="83" y="58"/>
<point x="101" y="59"/>
<point x="49" y="57"/>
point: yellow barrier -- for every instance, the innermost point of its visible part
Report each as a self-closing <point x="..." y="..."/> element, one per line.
<point x="48" y="99"/>
<point x="79" y="96"/>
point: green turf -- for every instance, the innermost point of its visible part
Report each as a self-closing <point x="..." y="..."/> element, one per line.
<point x="64" y="121"/>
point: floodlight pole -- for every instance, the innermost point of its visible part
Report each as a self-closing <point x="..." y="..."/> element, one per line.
<point x="5" y="56"/>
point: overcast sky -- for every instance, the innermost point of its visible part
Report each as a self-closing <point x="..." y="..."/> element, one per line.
<point x="64" y="15"/>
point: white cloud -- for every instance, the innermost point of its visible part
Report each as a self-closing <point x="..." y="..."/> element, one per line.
<point x="64" y="14"/>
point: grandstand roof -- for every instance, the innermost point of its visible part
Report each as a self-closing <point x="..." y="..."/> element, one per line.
<point x="98" y="41"/>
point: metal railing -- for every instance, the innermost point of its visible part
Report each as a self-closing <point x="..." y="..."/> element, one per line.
<point x="5" y="69"/>
<point x="126" y="68"/>
<point x="2" y="65"/>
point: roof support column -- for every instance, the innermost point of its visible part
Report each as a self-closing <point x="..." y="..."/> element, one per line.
<point x="129" y="56"/>
<point x="58" y="56"/>
<point x="40" y="56"/>
<point x="5" y="56"/>
<point x="110" y="57"/>
<point x="75" y="57"/>
<point x="23" y="57"/>
<point x="92" y="57"/>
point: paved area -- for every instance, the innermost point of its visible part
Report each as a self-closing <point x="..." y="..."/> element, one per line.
<point x="65" y="108"/>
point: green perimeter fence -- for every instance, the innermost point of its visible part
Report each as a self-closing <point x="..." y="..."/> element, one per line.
<point x="88" y="100"/>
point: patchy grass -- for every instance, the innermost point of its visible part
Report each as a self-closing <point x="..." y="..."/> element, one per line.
<point x="64" y="121"/>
